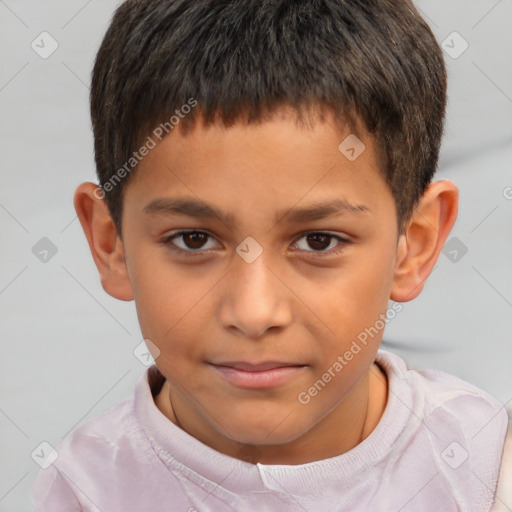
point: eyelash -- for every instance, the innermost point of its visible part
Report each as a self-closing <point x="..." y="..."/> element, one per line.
<point x="191" y="253"/>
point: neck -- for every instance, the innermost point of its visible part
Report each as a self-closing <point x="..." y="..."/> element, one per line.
<point x="342" y="429"/>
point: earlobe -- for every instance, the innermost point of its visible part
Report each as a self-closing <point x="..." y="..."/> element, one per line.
<point x="419" y="247"/>
<point x="106" y="247"/>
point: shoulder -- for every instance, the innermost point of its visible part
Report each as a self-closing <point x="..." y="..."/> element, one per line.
<point x="100" y="436"/>
<point x="102" y="439"/>
<point x="110" y="462"/>
<point x="455" y="429"/>
<point x="96" y="459"/>
<point x="442" y="395"/>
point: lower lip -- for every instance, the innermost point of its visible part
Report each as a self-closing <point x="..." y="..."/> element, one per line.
<point x="259" y="379"/>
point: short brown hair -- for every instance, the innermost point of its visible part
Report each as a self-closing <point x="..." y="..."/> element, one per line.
<point x="372" y="60"/>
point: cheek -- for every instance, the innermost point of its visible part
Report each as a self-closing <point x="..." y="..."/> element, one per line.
<point x="353" y="303"/>
<point x="171" y="312"/>
<point x="360" y="290"/>
<point x="160" y="301"/>
<point x="372" y="289"/>
<point x="373" y="272"/>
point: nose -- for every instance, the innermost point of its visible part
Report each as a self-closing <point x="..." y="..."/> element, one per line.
<point x="254" y="300"/>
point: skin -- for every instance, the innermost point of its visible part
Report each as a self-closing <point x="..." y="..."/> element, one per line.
<point x="297" y="302"/>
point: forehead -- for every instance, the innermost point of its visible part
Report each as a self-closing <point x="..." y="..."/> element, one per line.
<point x="276" y="165"/>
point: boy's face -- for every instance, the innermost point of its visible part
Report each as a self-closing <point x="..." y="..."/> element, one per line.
<point x="218" y="303"/>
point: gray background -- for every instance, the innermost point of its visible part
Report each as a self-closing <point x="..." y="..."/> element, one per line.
<point x="67" y="347"/>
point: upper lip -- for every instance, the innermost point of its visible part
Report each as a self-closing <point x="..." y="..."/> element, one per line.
<point x="256" y="367"/>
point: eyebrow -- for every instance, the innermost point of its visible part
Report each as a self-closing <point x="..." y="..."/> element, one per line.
<point x="199" y="209"/>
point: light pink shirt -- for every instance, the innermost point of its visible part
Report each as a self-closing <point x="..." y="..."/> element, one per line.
<point x="437" y="447"/>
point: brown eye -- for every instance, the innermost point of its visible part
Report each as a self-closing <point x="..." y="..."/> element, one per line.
<point x="190" y="241"/>
<point x="318" y="241"/>
<point x="321" y="243"/>
<point x="195" y="239"/>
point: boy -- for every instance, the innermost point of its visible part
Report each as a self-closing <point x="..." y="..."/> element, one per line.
<point x="265" y="189"/>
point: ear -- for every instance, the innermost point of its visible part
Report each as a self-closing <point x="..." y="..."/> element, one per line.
<point x="106" y="246"/>
<point x="419" y="246"/>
